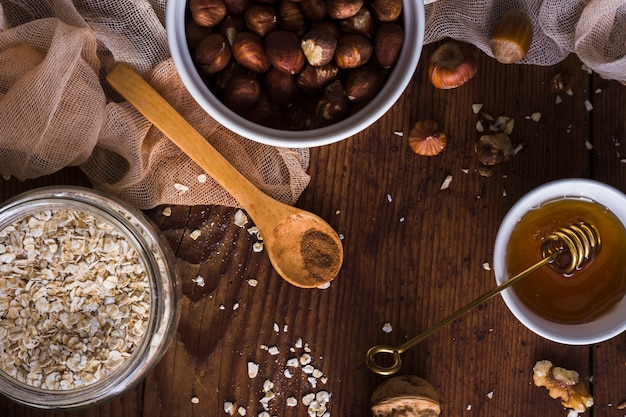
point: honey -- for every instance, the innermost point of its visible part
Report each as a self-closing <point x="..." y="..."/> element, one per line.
<point x="588" y="292"/>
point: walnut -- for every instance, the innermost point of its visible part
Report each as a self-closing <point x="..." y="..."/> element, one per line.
<point x="563" y="384"/>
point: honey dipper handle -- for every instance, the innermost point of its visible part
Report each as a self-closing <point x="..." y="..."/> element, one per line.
<point x="380" y="350"/>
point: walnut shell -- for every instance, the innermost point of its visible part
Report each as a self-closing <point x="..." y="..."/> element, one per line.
<point x="405" y="396"/>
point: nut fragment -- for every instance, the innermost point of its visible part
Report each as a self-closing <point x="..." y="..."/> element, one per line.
<point x="452" y="65"/>
<point x="563" y="384"/>
<point x="426" y="138"/>
<point x="511" y="38"/>
<point x="494" y="148"/>
<point x="404" y="396"/>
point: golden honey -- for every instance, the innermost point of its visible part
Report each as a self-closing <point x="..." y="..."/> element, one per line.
<point x="585" y="294"/>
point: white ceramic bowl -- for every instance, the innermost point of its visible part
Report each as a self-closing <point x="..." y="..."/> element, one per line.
<point x="602" y="328"/>
<point x="413" y="12"/>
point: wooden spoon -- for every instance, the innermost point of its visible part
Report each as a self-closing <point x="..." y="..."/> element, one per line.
<point x="301" y="246"/>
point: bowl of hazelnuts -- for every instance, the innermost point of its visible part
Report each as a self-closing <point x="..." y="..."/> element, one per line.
<point x="296" y="73"/>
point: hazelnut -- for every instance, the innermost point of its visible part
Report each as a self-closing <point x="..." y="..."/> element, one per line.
<point x="328" y="26"/>
<point x="313" y="80"/>
<point x="279" y="86"/>
<point x="207" y="13"/>
<point x="213" y="53"/>
<point x="242" y="92"/>
<point x="388" y="42"/>
<point x="261" y="19"/>
<point x="284" y="51"/>
<point x="342" y="9"/>
<point x="319" y="47"/>
<point x="195" y="33"/>
<point x="313" y="10"/>
<point x="387" y="10"/>
<point x="364" y="82"/>
<point x="405" y="395"/>
<point x="511" y="37"/>
<point x="262" y="111"/>
<point x="360" y="23"/>
<point x="334" y="104"/>
<point x="353" y="51"/>
<point x="237" y="7"/>
<point x="452" y="65"/>
<point x="427" y="139"/>
<point x="290" y="17"/>
<point x="300" y="115"/>
<point x="249" y="52"/>
<point x="494" y="148"/>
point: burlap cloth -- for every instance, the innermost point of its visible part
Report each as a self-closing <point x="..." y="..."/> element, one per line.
<point x="56" y="109"/>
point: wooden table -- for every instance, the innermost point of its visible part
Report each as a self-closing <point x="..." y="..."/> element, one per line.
<point x="413" y="254"/>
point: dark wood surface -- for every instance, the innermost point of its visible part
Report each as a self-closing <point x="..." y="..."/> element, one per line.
<point x="413" y="254"/>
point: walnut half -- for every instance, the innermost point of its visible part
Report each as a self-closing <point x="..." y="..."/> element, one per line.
<point x="563" y="384"/>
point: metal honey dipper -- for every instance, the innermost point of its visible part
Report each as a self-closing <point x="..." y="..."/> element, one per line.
<point x="565" y="250"/>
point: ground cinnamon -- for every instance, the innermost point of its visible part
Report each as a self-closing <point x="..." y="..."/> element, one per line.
<point x="321" y="254"/>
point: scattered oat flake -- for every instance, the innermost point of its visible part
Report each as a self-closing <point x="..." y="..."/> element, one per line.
<point x="588" y="105"/>
<point x="253" y="369"/>
<point x="486" y="266"/>
<point x="195" y="234"/>
<point x="199" y="280"/>
<point x="387" y="328"/>
<point x="446" y="182"/>
<point x="167" y="211"/>
<point x="202" y="178"/>
<point x="257" y="247"/>
<point x="476" y="107"/>
<point x="195" y="400"/>
<point x="240" y="218"/>
<point x="181" y="188"/>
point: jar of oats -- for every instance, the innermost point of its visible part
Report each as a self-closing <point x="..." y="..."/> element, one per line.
<point x="88" y="297"/>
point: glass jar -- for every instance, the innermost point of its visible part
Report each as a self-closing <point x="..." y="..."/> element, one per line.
<point x="161" y="320"/>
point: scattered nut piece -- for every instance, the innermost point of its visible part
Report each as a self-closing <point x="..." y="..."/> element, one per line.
<point x="452" y="65"/>
<point x="229" y="407"/>
<point x="195" y="400"/>
<point x="427" y="139"/>
<point x="240" y="218"/>
<point x="535" y="117"/>
<point x="511" y="38"/>
<point x="563" y="384"/>
<point x="588" y="105"/>
<point x="494" y="149"/>
<point x="446" y="182"/>
<point x="253" y="369"/>
<point x="405" y="395"/>
<point x="387" y="328"/>
<point x="167" y="211"/>
<point x="181" y="188"/>
<point x="561" y="82"/>
<point x="476" y="107"/>
<point x="195" y="234"/>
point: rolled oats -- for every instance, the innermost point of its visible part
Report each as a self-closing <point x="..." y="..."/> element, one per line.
<point x="74" y="299"/>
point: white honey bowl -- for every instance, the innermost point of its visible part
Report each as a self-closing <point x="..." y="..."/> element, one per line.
<point x="600" y="329"/>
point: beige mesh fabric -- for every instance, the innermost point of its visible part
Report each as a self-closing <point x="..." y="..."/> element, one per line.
<point x="57" y="110"/>
<point x="595" y="30"/>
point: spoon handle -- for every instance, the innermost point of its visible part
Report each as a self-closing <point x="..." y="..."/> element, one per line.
<point x="130" y="85"/>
